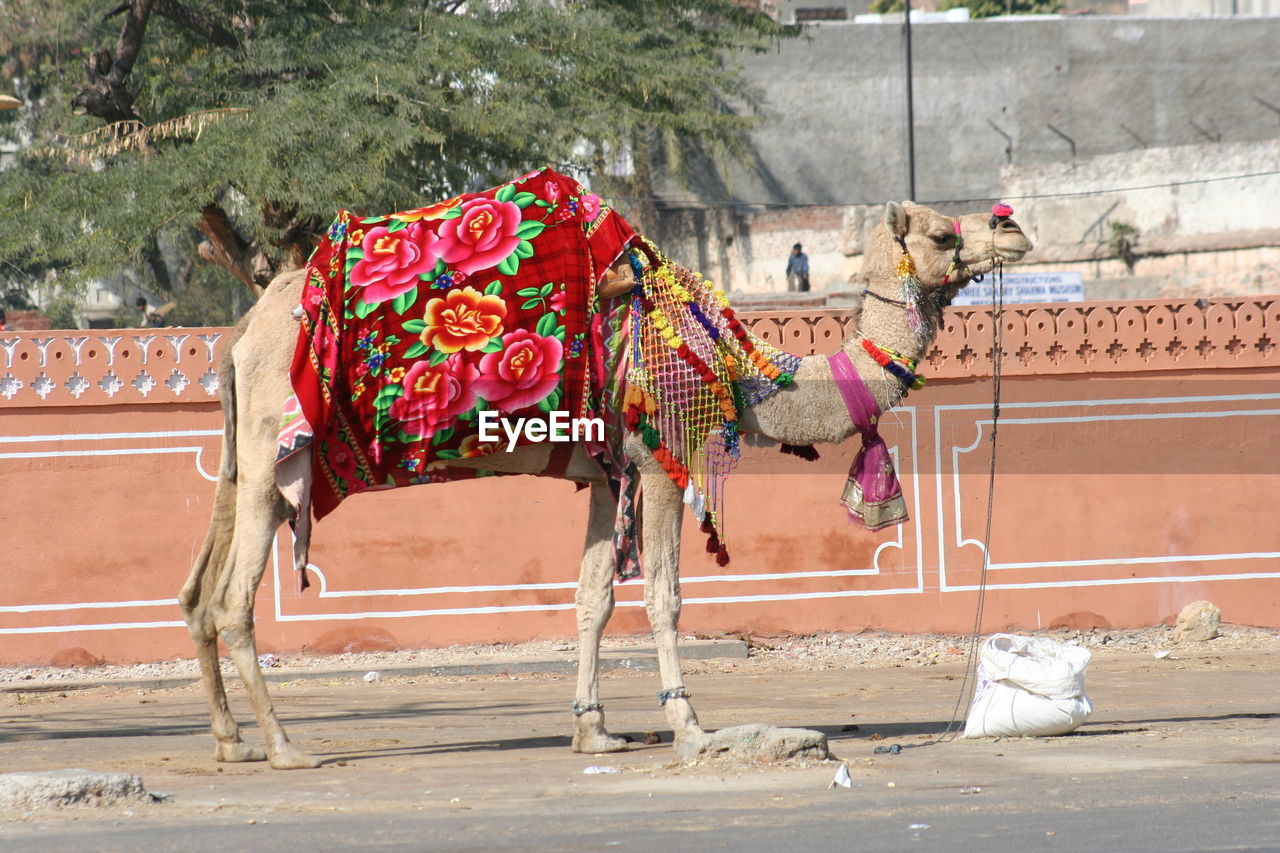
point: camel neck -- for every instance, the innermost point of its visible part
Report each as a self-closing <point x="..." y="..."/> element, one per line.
<point x="884" y="321"/>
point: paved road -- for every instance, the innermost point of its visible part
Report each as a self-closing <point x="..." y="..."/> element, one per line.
<point x="1181" y="756"/>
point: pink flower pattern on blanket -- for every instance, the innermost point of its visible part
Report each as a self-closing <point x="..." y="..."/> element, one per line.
<point x="415" y="322"/>
<point x="393" y="260"/>
<point x="482" y="237"/>
<point x="434" y="395"/>
<point x="524" y="372"/>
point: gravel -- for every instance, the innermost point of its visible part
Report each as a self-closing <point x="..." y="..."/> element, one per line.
<point x="864" y="649"/>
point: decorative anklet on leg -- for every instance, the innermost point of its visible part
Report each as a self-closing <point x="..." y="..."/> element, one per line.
<point x="579" y="709"/>
<point x="673" y="693"/>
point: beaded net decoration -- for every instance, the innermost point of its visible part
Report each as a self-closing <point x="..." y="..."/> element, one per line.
<point x="693" y="368"/>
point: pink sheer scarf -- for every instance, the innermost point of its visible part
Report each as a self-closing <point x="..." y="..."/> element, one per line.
<point x="872" y="493"/>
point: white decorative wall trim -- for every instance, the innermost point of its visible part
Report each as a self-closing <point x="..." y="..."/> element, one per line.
<point x="46" y="608"/>
<point x="324" y="592"/>
<point x="1094" y="407"/>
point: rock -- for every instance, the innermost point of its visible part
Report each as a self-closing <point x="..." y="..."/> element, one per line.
<point x="354" y="638"/>
<point x="1197" y="623"/>
<point x="69" y="788"/>
<point x="75" y="658"/>
<point x="756" y="742"/>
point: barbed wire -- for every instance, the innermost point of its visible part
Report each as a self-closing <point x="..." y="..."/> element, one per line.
<point x="1023" y="197"/>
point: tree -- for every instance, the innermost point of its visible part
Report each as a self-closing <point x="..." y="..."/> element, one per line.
<point x="980" y="8"/>
<point x="992" y="8"/>
<point x="253" y="121"/>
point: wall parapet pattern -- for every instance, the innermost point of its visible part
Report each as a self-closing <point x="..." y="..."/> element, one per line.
<point x="117" y="366"/>
<point x="100" y="367"/>
<point x="1068" y="338"/>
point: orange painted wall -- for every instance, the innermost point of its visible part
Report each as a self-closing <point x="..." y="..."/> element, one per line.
<point x="1137" y="472"/>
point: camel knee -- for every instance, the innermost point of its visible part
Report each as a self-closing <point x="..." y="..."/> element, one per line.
<point x="237" y="631"/>
<point x="593" y="614"/>
<point x="200" y="624"/>
<point x="663" y="619"/>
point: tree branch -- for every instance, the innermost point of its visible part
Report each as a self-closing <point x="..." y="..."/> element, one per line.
<point x="191" y="19"/>
<point x="155" y="260"/>
<point x="298" y="237"/>
<point x="226" y="248"/>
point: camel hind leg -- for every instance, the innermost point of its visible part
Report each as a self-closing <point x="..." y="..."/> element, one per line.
<point x="195" y="600"/>
<point x="594" y="602"/>
<point x="259" y="512"/>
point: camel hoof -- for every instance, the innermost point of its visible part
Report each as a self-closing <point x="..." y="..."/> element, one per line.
<point x="236" y="752"/>
<point x="595" y="743"/>
<point x="293" y="759"/>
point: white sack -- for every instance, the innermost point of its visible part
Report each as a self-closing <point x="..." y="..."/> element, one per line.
<point x="1028" y="686"/>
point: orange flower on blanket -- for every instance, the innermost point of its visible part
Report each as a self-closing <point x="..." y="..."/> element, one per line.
<point x="431" y="211"/>
<point x="463" y="319"/>
<point x="473" y="448"/>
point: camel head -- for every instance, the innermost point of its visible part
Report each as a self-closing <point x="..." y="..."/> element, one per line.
<point x="930" y="238"/>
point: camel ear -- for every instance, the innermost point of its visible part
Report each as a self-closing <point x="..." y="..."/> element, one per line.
<point x="895" y="219"/>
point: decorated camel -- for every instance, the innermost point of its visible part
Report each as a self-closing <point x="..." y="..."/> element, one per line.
<point x="916" y="261"/>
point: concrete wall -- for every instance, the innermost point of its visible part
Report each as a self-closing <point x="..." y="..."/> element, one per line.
<point x="1138" y="472"/>
<point x="1214" y="234"/>
<point x="836" y="133"/>
<point x="1202" y="8"/>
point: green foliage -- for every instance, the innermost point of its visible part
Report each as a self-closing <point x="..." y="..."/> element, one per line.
<point x="61" y="310"/>
<point x="1123" y="243"/>
<point x="323" y="105"/>
<point x="992" y="8"/>
<point x="979" y="8"/>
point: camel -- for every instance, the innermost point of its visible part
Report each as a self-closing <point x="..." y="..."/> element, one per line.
<point x="218" y="597"/>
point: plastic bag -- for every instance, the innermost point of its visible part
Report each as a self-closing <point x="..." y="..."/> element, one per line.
<point x="1028" y="686"/>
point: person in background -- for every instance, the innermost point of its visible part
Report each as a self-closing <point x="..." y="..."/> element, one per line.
<point x="153" y="318"/>
<point x="798" y="270"/>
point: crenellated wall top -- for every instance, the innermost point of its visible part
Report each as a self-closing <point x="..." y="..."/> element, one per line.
<point x="99" y="367"/>
<point x="1066" y="338"/>
<point x="128" y="366"/>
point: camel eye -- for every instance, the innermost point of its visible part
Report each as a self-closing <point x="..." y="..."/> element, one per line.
<point x="941" y="239"/>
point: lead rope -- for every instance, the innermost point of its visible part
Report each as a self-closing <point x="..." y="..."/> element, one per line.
<point x="969" y="682"/>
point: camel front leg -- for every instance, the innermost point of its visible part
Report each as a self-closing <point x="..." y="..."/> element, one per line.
<point x="663" y="510"/>
<point x="594" y="601"/>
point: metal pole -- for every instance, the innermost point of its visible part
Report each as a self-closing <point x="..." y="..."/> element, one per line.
<point x="911" y="110"/>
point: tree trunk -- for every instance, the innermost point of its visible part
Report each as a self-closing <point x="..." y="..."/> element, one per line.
<point x="106" y="96"/>
<point x="225" y="247"/>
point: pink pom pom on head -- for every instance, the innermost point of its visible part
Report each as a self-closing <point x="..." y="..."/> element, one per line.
<point x="1001" y="210"/>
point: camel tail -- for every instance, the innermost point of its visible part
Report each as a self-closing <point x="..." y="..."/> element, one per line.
<point x="227" y="396"/>
<point x="215" y="554"/>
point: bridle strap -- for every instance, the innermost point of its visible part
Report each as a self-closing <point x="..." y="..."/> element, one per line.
<point x="872" y="293"/>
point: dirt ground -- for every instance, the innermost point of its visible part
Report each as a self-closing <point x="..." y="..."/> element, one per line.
<point x="1179" y="746"/>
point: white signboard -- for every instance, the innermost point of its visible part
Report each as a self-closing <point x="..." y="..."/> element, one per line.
<point x="1026" y="287"/>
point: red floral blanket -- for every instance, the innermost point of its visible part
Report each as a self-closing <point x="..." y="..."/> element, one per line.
<point x="414" y="323"/>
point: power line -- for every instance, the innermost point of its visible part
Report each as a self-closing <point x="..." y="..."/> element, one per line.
<point x="1025" y="197"/>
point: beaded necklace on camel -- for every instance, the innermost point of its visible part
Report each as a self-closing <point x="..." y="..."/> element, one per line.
<point x="901" y="366"/>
